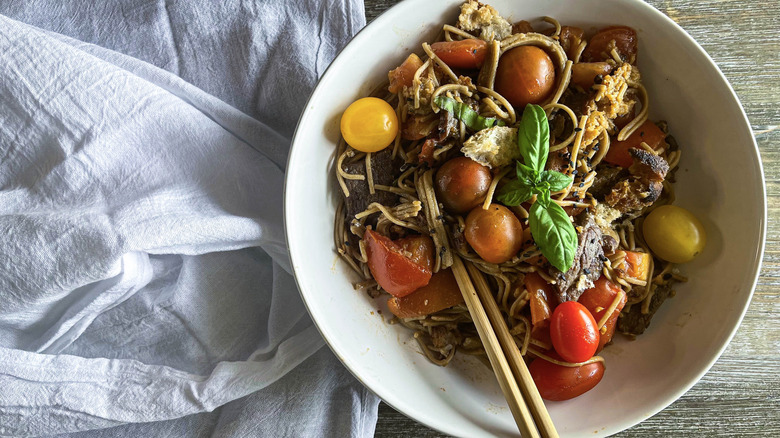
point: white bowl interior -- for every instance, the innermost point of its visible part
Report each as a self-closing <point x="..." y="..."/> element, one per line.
<point x="720" y="180"/>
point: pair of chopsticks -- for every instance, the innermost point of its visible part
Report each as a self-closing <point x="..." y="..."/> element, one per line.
<point x="516" y="383"/>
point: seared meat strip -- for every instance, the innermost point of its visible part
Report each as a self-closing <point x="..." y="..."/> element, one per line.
<point x="634" y="322"/>
<point x="385" y="170"/>
<point x="587" y="261"/>
<point x="448" y="126"/>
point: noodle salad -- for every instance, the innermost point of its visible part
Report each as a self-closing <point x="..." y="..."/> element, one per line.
<point x="525" y="151"/>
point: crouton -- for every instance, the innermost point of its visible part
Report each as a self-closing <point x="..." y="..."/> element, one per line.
<point x="476" y="16"/>
<point x="493" y="147"/>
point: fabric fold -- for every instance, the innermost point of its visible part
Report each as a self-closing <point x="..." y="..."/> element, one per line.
<point x="145" y="284"/>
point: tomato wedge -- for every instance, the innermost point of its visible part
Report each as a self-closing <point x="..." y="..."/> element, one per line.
<point x="618" y="150"/>
<point x="597" y="300"/>
<point x="637" y="265"/>
<point x="469" y="53"/>
<point x="403" y="75"/>
<point x="557" y="383"/>
<point x="440" y="293"/>
<point x="396" y="272"/>
<point x="542" y="301"/>
<point x="426" y="153"/>
<point x="584" y="73"/>
<point x="574" y="332"/>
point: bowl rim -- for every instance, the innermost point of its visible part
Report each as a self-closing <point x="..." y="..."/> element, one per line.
<point x="386" y="395"/>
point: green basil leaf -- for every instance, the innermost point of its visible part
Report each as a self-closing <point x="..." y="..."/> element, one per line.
<point x="533" y="137"/>
<point x="514" y="193"/>
<point x="525" y="173"/>
<point x="542" y="195"/>
<point x="556" y="180"/>
<point x="554" y="234"/>
<point x="464" y="113"/>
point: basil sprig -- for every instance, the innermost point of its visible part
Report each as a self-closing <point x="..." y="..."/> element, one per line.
<point x="551" y="227"/>
<point x="464" y="113"/>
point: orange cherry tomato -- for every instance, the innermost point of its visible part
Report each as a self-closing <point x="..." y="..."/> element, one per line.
<point x="495" y="234"/>
<point x="462" y="184"/>
<point x="625" y="43"/>
<point x="574" y="332"/>
<point x="398" y="274"/>
<point x="597" y="300"/>
<point x="469" y="53"/>
<point x="618" y="150"/>
<point x="440" y="293"/>
<point x="525" y="75"/>
<point x="557" y="383"/>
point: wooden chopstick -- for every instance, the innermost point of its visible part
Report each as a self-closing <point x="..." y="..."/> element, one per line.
<point x="506" y="380"/>
<point x="515" y="359"/>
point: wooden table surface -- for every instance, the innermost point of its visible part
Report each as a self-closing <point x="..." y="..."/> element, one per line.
<point x="740" y="395"/>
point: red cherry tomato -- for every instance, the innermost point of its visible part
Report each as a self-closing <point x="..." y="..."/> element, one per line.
<point x="556" y="382"/>
<point x="601" y="296"/>
<point x="625" y="42"/>
<point x="398" y="274"/>
<point x="525" y="75"/>
<point x="462" y="184"/>
<point x="469" y="53"/>
<point x="574" y="333"/>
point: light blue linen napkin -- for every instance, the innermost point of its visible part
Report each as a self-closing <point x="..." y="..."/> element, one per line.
<point x="144" y="281"/>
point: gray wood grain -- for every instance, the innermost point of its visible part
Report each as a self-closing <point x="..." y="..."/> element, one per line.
<point x="740" y="395"/>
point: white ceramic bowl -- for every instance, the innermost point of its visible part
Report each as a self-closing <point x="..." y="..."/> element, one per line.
<point x="720" y="180"/>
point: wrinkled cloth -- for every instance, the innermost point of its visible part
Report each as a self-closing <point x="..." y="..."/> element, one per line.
<point x="144" y="280"/>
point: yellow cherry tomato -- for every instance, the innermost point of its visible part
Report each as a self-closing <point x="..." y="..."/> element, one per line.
<point x="674" y="234"/>
<point x="369" y="124"/>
